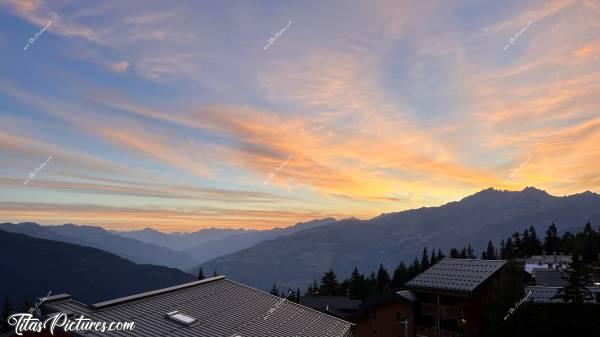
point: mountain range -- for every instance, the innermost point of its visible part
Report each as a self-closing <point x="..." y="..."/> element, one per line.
<point x="31" y="267"/>
<point x="295" y="260"/>
<point x="210" y="243"/>
<point x="297" y="255"/>
<point x="97" y="237"/>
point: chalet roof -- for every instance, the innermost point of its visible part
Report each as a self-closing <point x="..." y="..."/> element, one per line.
<point x="542" y="294"/>
<point x="338" y="306"/>
<point x="549" y="259"/>
<point x="456" y="275"/>
<point x="546" y="294"/>
<point x="548" y="277"/>
<point x="333" y="302"/>
<point x="220" y="307"/>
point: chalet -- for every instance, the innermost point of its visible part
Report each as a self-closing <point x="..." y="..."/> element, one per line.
<point x="215" y="306"/>
<point x="390" y="315"/>
<point x="450" y="297"/>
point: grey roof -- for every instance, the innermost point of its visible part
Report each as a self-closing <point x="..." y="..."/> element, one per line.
<point x="546" y="294"/>
<point x="456" y="275"/>
<point x="542" y="294"/>
<point x="549" y="259"/>
<point x="222" y="308"/>
<point x="548" y="277"/>
<point x="333" y="302"/>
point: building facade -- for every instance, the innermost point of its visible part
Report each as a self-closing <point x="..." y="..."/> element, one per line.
<point x="387" y="316"/>
<point x="451" y="296"/>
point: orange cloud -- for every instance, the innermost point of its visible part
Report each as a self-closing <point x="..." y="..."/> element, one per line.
<point x="124" y="218"/>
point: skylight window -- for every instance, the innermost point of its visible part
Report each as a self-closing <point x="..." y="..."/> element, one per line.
<point x="181" y="318"/>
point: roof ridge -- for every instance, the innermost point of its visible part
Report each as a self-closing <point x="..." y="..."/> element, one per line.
<point x="147" y="294"/>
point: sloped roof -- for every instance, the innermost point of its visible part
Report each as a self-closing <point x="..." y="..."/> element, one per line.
<point x="221" y="307"/>
<point x="548" y="277"/>
<point x="546" y="294"/>
<point x="456" y="275"/>
<point x="331" y="302"/>
<point x="542" y="294"/>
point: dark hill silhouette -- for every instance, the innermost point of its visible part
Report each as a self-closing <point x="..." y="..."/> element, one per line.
<point x="31" y="267"/>
<point x="97" y="237"/>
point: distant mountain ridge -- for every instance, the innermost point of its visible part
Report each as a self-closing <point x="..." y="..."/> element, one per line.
<point x="97" y="237"/>
<point x="31" y="267"/>
<point x="295" y="260"/>
<point x="209" y="243"/>
<point x="179" y="241"/>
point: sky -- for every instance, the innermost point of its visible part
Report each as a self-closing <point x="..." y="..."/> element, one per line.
<point x="258" y="114"/>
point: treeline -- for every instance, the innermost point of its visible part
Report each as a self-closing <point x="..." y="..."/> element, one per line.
<point x="361" y="286"/>
<point x="585" y="244"/>
<point x="519" y="245"/>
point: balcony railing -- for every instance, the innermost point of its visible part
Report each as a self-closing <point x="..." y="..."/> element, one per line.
<point x="432" y="332"/>
<point x="446" y="311"/>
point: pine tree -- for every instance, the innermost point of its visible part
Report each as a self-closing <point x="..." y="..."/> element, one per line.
<point x="509" y="249"/>
<point x="200" y="274"/>
<point x="454" y="253"/>
<point x="357" y="285"/>
<point x="274" y="290"/>
<point x="578" y="276"/>
<point x="525" y="244"/>
<point x="416" y="268"/>
<point x="400" y="276"/>
<point x="552" y="241"/>
<point x="440" y="256"/>
<point x="589" y="244"/>
<point x="371" y="284"/>
<point x="470" y="252"/>
<point x="502" y="250"/>
<point x="434" y="259"/>
<point x="535" y="245"/>
<point x="298" y="295"/>
<point x="424" y="259"/>
<point x="463" y="253"/>
<point x="215" y="273"/>
<point x="383" y="278"/>
<point x="567" y="245"/>
<point x="490" y="252"/>
<point x="517" y="246"/>
<point x="329" y="284"/>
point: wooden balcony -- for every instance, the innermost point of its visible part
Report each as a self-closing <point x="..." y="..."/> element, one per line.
<point x="445" y="311"/>
<point x="431" y="332"/>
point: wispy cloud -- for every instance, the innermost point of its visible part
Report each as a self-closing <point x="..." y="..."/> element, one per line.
<point x="375" y="109"/>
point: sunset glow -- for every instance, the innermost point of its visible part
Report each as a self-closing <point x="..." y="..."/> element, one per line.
<point x="174" y="117"/>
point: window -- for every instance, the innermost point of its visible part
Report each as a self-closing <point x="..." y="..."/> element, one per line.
<point x="181" y="318"/>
